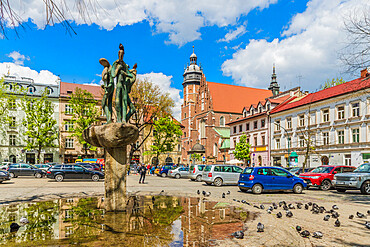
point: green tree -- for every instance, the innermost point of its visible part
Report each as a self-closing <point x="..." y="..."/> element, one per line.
<point x="41" y="127"/>
<point x="242" y="151"/>
<point x="333" y="82"/>
<point x="8" y="101"/>
<point x="84" y="114"/>
<point x="165" y="135"/>
<point x="150" y="103"/>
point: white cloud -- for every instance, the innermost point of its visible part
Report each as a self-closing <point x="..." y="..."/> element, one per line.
<point x="18" y="58"/>
<point x="181" y="19"/>
<point x="164" y="83"/>
<point x="44" y="76"/>
<point x="231" y="35"/>
<point x="309" y="47"/>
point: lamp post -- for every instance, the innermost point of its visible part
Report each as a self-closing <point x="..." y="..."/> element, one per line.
<point x="288" y="136"/>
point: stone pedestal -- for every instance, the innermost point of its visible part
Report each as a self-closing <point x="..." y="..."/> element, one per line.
<point x="114" y="137"/>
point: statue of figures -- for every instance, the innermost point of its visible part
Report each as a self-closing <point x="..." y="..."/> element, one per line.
<point x="125" y="80"/>
<point x="108" y="87"/>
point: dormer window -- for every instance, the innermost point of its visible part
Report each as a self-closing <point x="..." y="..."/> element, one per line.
<point x="31" y="89"/>
<point x="260" y="109"/>
<point x="49" y="90"/>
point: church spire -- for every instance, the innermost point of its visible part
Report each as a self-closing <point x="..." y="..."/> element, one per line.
<point x="193" y="58"/>
<point x="274" y="86"/>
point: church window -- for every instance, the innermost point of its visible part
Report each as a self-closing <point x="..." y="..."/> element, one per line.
<point x="222" y="121"/>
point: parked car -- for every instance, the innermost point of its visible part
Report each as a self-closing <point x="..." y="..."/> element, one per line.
<point x="73" y="171"/>
<point x="4" y="175"/>
<point x="260" y="179"/>
<point x="322" y="176"/>
<point x="44" y="167"/>
<point x="359" y="179"/>
<point x="90" y="166"/>
<point x="4" y="165"/>
<point x="179" y="172"/>
<point x="196" y="172"/>
<point x="298" y="170"/>
<point x="164" y="170"/>
<point x="16" y="170"/>
<point x="221" y="174"/>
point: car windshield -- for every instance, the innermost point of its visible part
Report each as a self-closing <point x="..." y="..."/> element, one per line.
<point x="322" y="169"/>
<point x="200" y="168"/>
<point x="208" y="168"/>
<point x="248" y="170"/>
<point x="363" y="168"/>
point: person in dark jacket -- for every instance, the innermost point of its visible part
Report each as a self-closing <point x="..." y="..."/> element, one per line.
<point x="142" y="171"/>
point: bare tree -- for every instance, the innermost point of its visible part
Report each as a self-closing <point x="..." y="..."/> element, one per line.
<point x="356" y="54"/>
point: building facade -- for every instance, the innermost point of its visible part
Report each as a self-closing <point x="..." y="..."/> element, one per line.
<point x="207" y="107"/>
<point x="13" y="139"/>
<point x="70" y="149"/>
<point x="332" y="126"/>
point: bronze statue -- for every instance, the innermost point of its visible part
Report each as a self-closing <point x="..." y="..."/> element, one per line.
<point x="125" y="78"/>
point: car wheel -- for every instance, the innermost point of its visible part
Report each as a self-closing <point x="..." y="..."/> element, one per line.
<point x="59" y="178"/>
<point x="325" y="185"/>
<point x="341" y="190"/>
<point x="199" y="178"/>
<point x="208" y="183"/>
<point x="95" y="177"/>
<point x="163" y="175"/>
<point x="177" y="176"/>
<point x="298" y="188"/>
<point x="38" y="175"/>
<point x="218" y="182"/>
<point x="365" y="188"/>
<point x="12" y="175"/>
<point x="257" y="189"/>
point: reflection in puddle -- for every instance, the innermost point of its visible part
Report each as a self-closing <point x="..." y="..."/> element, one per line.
<point x="148" y="221"/>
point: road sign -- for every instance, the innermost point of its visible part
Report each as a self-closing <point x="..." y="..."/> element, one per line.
<point x="203" y="158"/>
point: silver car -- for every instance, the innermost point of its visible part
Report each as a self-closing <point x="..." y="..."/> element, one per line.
<point x="221" y="174"/>
<point x="195" y="172"/>
<point x="359" y="179"/>
<point x="179" y="172"/>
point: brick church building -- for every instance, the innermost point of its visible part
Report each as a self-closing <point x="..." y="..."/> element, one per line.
<point x="206" y="109"/>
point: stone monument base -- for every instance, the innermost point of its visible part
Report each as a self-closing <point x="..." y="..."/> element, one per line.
<point x="114" y="137"/>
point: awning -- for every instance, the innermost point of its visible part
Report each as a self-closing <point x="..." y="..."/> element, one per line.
<point x="366" y="156"/>
<point x="224" y="132"/>
<point x="293" y="154"/>
<point x="225" y="144"/>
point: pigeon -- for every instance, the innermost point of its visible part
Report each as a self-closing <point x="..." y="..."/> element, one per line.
<point x="223" y="195"/>
<point x="335" y="207"/>
<point x="290" y="206"/>
<point x="351" y="217"/>
<point x="285" y="207"/>
<point x="335" y="215"/>
<point x="243" y="201"/>
<point x="309" y="204"/>
<point x="299" y="206"/>
<point x="367" y="224"/>
<point x="256" y="206"/>
<point x="279" y="215"/>
<point x="317" y="234"/>
<point x="282" y="203"/>
<point x="305" y="234"/>
<point x="360" y="215"/>
<point x="260" y="227"/>
<point x="228" y="192"/>
<point x="162" y="191"/>
<point x="24" y="220"/>
<point x="327" y="217"/>
<point x="315" y="211"/>
<point x="289" y="214"/>
<point x="274" y="205"/>
<point x="337" y="223"/>
<point x="298" y="228"/>
<point x="262" y="207"/>
<point x="234" y="199"/>
<point x="306" y="206"/>
<point x="198" y="192"/>
<point x="269" y="211"/>
<point x="14" y="227"/>
<point x="368" y="211"/>
<point x="207" y="194"/>
<point x="238" y="234"/>
<point x="270" y="208"/>
<point x="204" y="193"/>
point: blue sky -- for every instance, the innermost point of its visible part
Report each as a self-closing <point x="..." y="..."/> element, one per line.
<point x="236" y="42"/>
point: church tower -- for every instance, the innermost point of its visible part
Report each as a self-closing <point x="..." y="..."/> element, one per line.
<point x="192" y="76"/>
<point x="274" y="86"/>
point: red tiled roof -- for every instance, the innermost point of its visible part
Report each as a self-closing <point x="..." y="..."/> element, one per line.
<point x="247" y="117"/>
<point x="66" y="88"/>
<point x="279" y="100"/>
<point x="231" y="98"/>
<point x="348" y="87"/>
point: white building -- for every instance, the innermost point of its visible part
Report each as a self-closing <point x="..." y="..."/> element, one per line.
<point x="12" y="139"/>
<point x="335" y="121"/>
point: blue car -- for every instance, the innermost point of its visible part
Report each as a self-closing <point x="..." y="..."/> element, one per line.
<point x="164" y="170"/>
<point x="259" y="179"/>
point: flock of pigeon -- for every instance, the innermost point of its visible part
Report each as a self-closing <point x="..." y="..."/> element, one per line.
<point x="313" y="207"/>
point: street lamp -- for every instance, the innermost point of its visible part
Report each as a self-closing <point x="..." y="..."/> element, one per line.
<point x="289" y="139"/>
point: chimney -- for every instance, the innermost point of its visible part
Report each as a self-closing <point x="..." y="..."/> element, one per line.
<point x="364" y="73"/>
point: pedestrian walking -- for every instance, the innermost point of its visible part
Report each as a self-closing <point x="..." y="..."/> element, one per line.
<point x="142" y="171"/>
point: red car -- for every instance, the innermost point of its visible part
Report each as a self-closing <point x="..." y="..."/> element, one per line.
<point x="323" y="175"/>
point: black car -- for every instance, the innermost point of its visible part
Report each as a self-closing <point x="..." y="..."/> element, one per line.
<point x="90" y="166"/>
<point x="73" y="171"/>
<point x="4" y="175"/>
<point x="16" y="170"/>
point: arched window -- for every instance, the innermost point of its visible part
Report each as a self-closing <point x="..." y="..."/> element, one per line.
<point x="222" y="121"/>
<point x="12" y="159"/>
<point x="155" y="161"/>
<point x="168" y="160"/>
<point x="215" y="149"/>
<point x="202" y="129"/>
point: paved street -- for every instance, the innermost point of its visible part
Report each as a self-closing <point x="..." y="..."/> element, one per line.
<point x="278" y="231"/>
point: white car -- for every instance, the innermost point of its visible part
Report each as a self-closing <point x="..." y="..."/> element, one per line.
<point x="180" y="172"/>
<point x="4" y="165"/>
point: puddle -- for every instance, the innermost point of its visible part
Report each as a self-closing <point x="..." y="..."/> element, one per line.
<point x="164" y="221"/>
